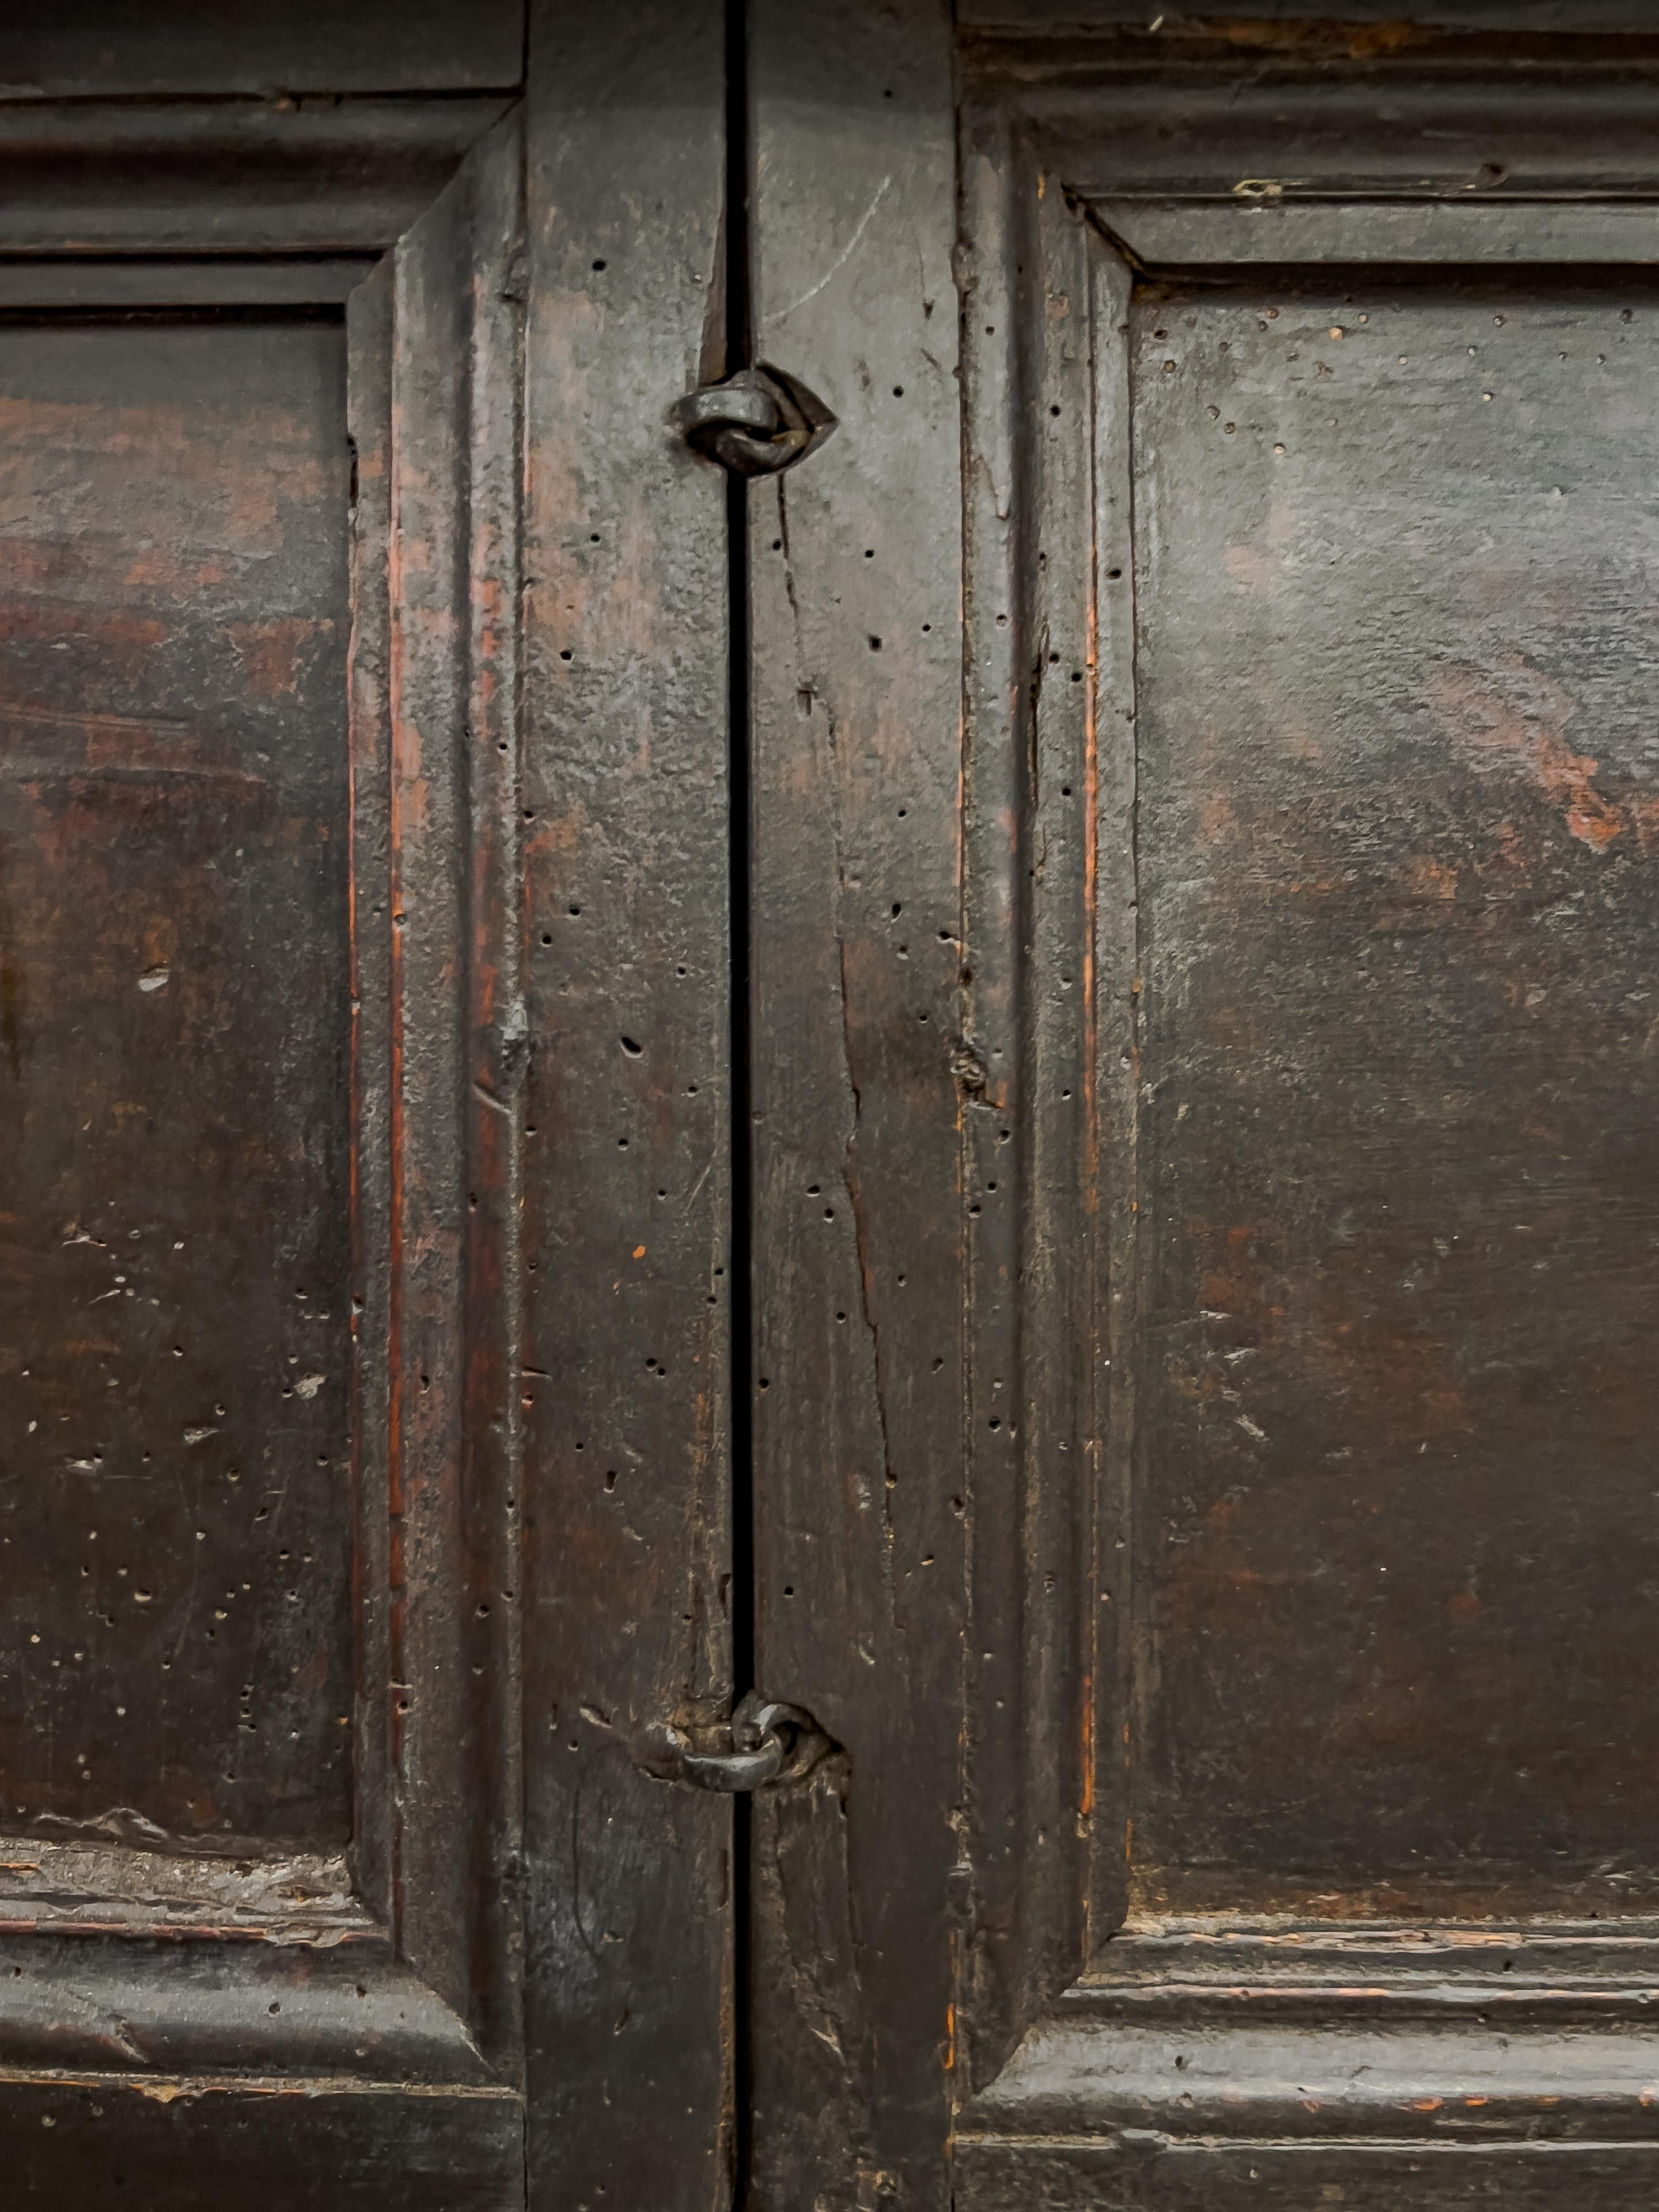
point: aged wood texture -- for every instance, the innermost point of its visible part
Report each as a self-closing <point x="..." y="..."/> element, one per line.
<point x="330" y="2002"/>
<point x="1312" y="2061"/>
<point x="1399" y="923"/>
<point x="1474" y="1746"/>
<point x="1200" y="114"/>
<point x="1049" y="756"/>
<point x="627" y="1197"/>
<point x="230" y="176"/>
<point x="107" y="49"/>
<point x="172" y="1028"/>
<point x="207" y="283"/>
<point x="1370" y="29"/>
<point x="1151" y="2176"/>
<point x="1177" y="237"/>
<point x="192" y="2144"/>
<point x="861" y="1085"/>
<point x="440" y="1061"/>
<point x="321" y="858"/>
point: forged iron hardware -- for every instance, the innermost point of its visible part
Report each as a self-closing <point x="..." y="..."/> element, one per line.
<point x="770" y="1743"/>
<point x="755" y="422"/>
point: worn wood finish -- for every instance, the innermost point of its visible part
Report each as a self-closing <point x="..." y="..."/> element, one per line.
<point x="1403" y="1768"/>
<point x="628" y="1192"/>
<point x="1375" y="28"/>
<point x="860" y="1086"/>
<point x="215" y="282"/>
<point x="1198" y="1091"/>
<point x="353" y="1061"/>
<point x="1393" y="1404"/>
<point x="105" y="49"/>
<point x="237" y="176"/>
<point x="441" y="1036"/>
<point x="1478" y="119"/>
<point x="173" y="1018"/>
<point x="1179" y="236"/>
<point x="193" y="2144"/>
<point x="333" y="2003"/>
<point x="1046" y="654"/>
<point x="1147" y="2175"/>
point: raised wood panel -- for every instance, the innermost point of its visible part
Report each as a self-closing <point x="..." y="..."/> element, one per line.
<point x="1046" y="798"/>
<point x="1398" y="920"/>
<point x="174" y="1022"/>
<point x="263" y="606"/>
<point x="1364" y="1808"/>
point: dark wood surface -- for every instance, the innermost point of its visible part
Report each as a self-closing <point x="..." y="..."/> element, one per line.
<point x="627" y="1212"/>
<point x="321" y="176"/>
<point x="313" y="864"/>
<point x="1048" y="794"/>
<point x="859" y="1205"/>
<point x="193" y="2144"/>
<point x="104" y="49"/>
<point x="173" y="1024"/>
<point x="1398" y="921"/>
<point x="1197" y="934"/>
<point x="439" y="1054"/>
<point x="1149" y="2177"/>
<point x="163" y="2001"/>
<point x="1373" y="27"/>
<point x="1330" y="1855"/>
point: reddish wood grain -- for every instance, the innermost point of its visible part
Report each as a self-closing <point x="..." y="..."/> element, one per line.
<point x="172" y="1025"/>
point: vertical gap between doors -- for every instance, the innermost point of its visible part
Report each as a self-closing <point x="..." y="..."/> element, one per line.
<point x="739" y="350"/>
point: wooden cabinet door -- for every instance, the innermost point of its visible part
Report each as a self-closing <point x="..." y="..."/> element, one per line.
<point x="998" y="1085"/>
<point x="1205" y="1107"/>
<point x="363" y="991"/>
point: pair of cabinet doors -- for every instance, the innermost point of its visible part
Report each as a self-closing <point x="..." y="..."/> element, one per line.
<point x="998" y="1087"/>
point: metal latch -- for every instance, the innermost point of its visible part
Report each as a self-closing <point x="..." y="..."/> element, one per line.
<point x="770" y="1743"/>
<point x="755" y="422"/>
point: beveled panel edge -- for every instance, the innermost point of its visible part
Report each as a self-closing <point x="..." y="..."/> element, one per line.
<point x="84" y="1880"/>
<point x="1042" y="1033"/>
<point x="1386" y="2056"/>
<point x="241" y="177"/>
<point x="440" y="1057"/>
<point x="1484" y="235"/>
<point x="1035" y="154"/>
<point x="1115" y="118"/>
<point x="1429" y="19"/>
<point x="398" y="158"/>
<point x="217" y="2003"/>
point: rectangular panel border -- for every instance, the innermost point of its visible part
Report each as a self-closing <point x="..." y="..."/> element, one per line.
<point x="435" y="346"/>
<point x="1066" y="196"/>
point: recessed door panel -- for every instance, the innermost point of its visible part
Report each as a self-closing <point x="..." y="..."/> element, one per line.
<point x="174" y="1013"/>
<point x="1398" y="796"/>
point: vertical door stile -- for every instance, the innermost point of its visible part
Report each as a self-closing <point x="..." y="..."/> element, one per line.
<point x="861" y="1088"/>
<point x="627" y="1203"/>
